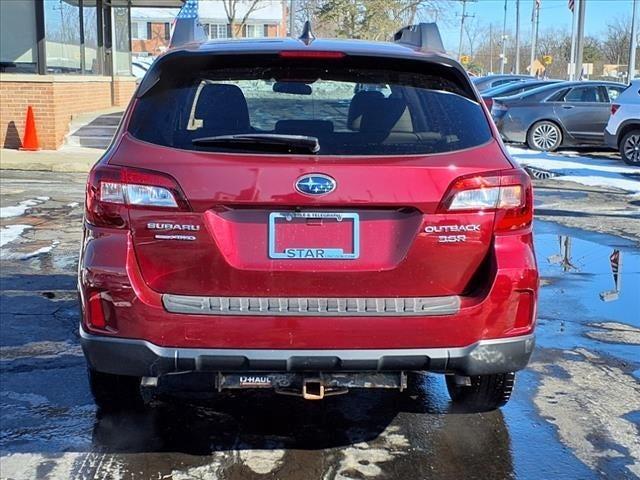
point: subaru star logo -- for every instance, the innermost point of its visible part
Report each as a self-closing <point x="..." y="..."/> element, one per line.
<point x="315" y="184"/>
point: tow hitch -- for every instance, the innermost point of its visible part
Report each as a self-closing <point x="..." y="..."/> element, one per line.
<point x="312" y="387"/>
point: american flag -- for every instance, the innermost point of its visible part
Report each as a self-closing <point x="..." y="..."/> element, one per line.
<point x="187" y="27"/>
<point x="189" y="10"/>
<point x="572" y="5"/>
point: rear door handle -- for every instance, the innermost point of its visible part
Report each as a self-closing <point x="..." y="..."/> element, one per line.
<point x="567" y="107"/>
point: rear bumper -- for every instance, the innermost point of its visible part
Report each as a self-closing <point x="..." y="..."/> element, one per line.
<point x="141" y="358"/>
<point x="610" y="140"/>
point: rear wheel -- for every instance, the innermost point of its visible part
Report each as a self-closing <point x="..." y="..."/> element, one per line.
<point x="115" y="392"/>
<point x="485" y="392"/>
<point x="544" y="136"/>
<point x="630" y="148"/>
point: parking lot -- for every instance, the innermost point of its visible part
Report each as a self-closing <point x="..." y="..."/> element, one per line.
<point x="574" y="414"/>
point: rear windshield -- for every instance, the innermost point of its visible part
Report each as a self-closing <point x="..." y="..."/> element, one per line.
<point x="348" y="110"/>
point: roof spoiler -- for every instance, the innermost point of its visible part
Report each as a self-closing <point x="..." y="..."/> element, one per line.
<point x="425" y="36"/>
<point x="187" y="27"/>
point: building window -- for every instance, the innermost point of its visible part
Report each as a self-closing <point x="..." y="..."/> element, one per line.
<point x="253" y="31"/>
<point x="122" y="41"/>
<point x="62" y="35"/>
<point x="92" y="59"/>
<point x="149" y="31"/>
<point x="218" y="30"/>
<point x="139" y="31"/>
<point x="18" y="36"/>
<point x="167" y="31"/>
<point x="265" y="32"/>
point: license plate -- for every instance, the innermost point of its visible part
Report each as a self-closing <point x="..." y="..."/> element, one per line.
<point x="314" y="235"/>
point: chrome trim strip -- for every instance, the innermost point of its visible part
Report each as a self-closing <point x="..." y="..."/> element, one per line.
<point x="312" y="307"/>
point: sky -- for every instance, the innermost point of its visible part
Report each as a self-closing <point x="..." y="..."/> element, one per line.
<point x="553" y="14"/>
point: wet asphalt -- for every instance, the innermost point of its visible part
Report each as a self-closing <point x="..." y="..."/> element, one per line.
<point x="575" y="413"/>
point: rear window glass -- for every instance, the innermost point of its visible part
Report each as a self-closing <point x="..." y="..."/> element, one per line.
<point x="350" y="111"/>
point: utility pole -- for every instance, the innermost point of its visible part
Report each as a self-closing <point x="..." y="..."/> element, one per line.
<point x="582" y="7"/>
<point x="503" y="59"/>
<point x="633" y="41"/>
<point x="574" y="23"/>
<point x="535" y="14"/>
<point x="462" y="18"/>
<point x="491" y="48"/>
<point x="517" y="60"/>
<point x="291" y="16"/>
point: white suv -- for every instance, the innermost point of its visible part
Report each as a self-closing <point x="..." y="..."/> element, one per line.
<point x="623" y="130"/>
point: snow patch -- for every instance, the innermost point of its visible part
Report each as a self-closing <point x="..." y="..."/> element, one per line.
<point x="262" y="461"/>
<point x="572" y="167"/>
<point x="38" y="252"/>
<point x="21" y="208"/>
<point x="11" y="232"/>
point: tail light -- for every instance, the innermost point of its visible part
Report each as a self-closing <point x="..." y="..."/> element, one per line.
<point x="498" y="109"/>
<point x="508" y="193"/>
<point x="614" y="108"/>
<point x="112" y="190"/>
<point x="488" y="101"/>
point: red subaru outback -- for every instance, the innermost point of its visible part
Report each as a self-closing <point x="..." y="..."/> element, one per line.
<point x="309" y="217"/>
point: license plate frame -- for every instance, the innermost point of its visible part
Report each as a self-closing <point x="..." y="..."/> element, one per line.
<point x="304" y="253"/>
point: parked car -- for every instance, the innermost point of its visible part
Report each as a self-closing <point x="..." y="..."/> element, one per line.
<point x="513" y="88"/>
<point x="623" y="130"/>
<point x="491" y="81"/>
<point x="562" y="114"/>
<point x="249" y="229"/>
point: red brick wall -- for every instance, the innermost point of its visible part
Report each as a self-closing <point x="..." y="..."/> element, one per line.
<point x="54" y="103"/>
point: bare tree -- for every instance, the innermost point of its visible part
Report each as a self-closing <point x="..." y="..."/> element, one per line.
<point x="371" y="19"/>
<point x="236" y="24"/>
<point x="473" y="31"/>
<point x="615" y="44"/>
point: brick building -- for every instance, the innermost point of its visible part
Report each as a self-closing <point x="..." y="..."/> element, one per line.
<point x="63" y="57"/>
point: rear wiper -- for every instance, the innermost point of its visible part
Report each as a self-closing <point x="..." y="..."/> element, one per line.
<point x="263" y="141"/>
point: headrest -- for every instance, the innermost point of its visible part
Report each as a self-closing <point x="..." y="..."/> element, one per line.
<point x="222" y="107"/>
<point x="358" y="105"/>
<point x="386" y="115"/>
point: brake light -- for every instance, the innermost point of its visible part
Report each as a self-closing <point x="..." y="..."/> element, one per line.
<point x="498" y="107"/>
<point x="311" y="54"/>
<point x="488" y="101"/>
<point x="507" y="193"/>
<point x="112" y="190"/>
<point x="614" y="108"/>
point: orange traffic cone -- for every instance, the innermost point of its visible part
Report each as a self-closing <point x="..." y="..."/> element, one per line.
<point x="30" y="138"/>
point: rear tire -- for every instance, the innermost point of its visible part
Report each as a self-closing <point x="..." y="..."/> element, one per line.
<point x="486" y="392"/>
<point x="630" y="148"/>
<point x="544" y="136"/>
<point x="115" y="392"/>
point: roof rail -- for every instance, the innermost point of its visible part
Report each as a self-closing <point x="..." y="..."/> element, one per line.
<point x="425" y="36"/>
